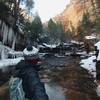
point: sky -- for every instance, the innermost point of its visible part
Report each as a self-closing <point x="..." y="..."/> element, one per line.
<point x="50" y="8"/>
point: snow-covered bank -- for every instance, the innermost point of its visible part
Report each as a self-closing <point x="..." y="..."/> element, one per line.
<point x="9" y="62"/>
<point x="90" y="62"/>
<point x="4" y="50"/>
<point x="90" y="65"/>
<point x="15" y="54"/>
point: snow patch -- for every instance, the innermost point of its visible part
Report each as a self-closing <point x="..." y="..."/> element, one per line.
<point x="81" y="53"/>
<point x="98" y="48"/>
<point x="89" y="64"/>
<point x="9" y="62"/>
<point x="4" y="50"/>
<point x="15" y="54"/>
<point x="51" y="46"/>
<point x="98" y="45"/>
<point x="90" y="37"/>
<point x="76" y="42"/>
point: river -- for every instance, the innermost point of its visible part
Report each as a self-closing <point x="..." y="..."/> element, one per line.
<point x="55" y="92"/>
<point x="64" y="80"/>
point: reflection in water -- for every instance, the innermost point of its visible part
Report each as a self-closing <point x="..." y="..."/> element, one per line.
<point x="54" y="92"/>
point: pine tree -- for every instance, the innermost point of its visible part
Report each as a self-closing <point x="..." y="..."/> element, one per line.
<point x="12" y="8"/>
<point x="86" y="23"/>
<point x="36" y="29"/>
<point x="97" y="25"/>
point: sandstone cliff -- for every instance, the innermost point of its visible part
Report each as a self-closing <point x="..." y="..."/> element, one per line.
<point x="73" y="13"/>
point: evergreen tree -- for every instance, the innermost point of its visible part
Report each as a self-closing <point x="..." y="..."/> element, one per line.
<point x="86" y="23"/>
<point x="97" y="25"/>
<point x="60" y="32"/>
<point x="52" y="28"/>
<point x="11" y="14"/>
<point x="36" y="29"/>
<point x="12" y="8"/>
<point x="56" y="31"/>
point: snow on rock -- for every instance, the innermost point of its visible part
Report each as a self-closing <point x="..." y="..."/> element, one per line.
<point x="76" y="42"/>
<point x="98" y="58"/>
<point x="34" y="51"/>
<point x="4" y="50"/>
<point x="81" y="53"/>
<point x="15" y="54"/>
<point x="68" y="53"/>
<point x="89" y="65"/>
<point x="41" y="55"/>
<point x="50" y="46"/>
<point x="9" y="62"/>
<point x="41" y="46"/>
<point x="90" y="37"/>
<point x="98" y="45"/>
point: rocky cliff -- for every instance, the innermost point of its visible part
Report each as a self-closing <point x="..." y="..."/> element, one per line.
<point x="73" y="13"/>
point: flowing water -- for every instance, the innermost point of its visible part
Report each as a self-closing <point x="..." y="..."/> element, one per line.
<point x="55" y="92"/>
